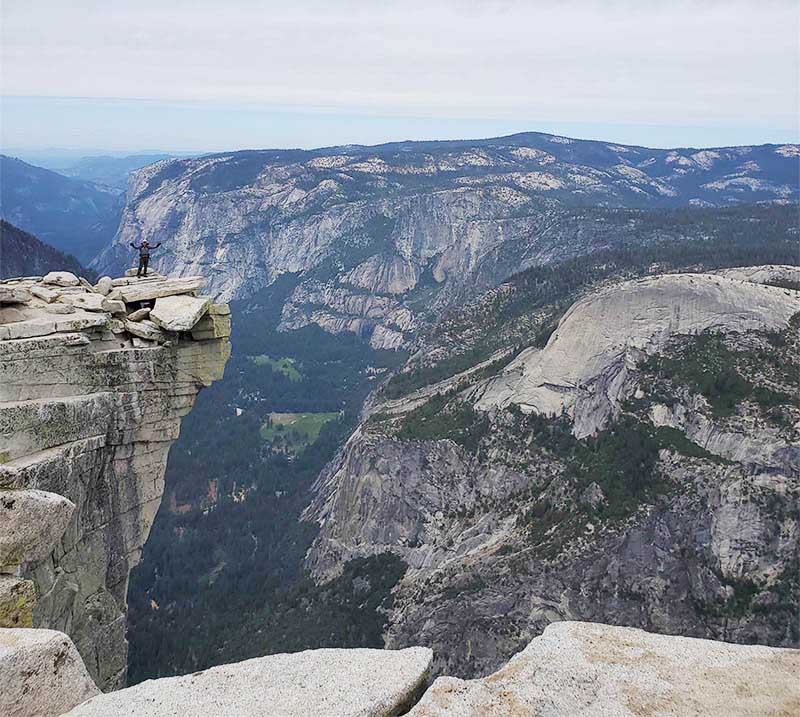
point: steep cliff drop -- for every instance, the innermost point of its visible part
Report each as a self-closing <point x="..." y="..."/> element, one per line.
<point x="93" y="383"/>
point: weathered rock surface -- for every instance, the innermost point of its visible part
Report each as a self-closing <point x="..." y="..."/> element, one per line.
<point x="86" y="421"/>
<point x="41" y="674"/>
<point x="17" y="598"/>
<point x="583" y="368"/>
<point x="505" y="535"/>
<point x="327" y="683"/>
<point x="33" y="520"/>
<point x="61" y="278"/>
<point x="597" y="670"/>
<point x="179" y="313"/>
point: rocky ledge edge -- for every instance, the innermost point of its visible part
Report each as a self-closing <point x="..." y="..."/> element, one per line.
<point x="147" y="311"/>
<point x="94" y="380"/>
<point x="574" y="668"/>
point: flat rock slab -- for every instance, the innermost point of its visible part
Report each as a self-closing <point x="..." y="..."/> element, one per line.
<point x="87" y="300"/>
<point x="593" y="670"/>
<point x="31" y="522"/>
<point x="44" y="325"/>
<point x="14" y="295"/>
<point x="146" y="290"/>
<point x="315" y="683"/>
<point x="41" y="674"/>
<point x="178" y="313"/>
<point x="145" y="330"/>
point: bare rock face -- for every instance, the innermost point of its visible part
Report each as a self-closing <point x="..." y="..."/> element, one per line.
<point x="584" y="366"/>
<point x="523" y="525"/>
<point x="88" y="411"/>
<point x="41" y="674"/>
<point x="591" y="669"/>
<point x="345" y="683"/>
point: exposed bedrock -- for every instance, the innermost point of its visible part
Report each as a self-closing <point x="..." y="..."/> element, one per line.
<point x="90" y="402"/>
<point x="584" y="367"/>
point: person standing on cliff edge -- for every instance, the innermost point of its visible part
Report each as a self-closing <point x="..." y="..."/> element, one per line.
<point x="144" y="255"/>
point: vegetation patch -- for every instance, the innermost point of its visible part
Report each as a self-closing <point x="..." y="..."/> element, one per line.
<point x="290" y="433"/>
<point x="708" y="366"/>
<point x="445" y="417"/>
<point x="286" y="366"/>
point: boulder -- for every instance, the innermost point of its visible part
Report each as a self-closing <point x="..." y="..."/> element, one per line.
<point x="17" y="598"/>
<point x="113" y="306"/>
<point x="578" y="668"/>
<point x="104" y="285"/>
<point x="31" y="523"/>
<point x="178" y="313"/>
<point x="139" y="314"/>
<point x="145" y="330"/>
<point x="314" y="683"/>
<point x="45" y="294"/>
<point x="220" y="309"/>
<point x="61" y="278"/>
<point x="146" y="290"/>
<point x="212" y="326"/>
<point x="14" y="295"/>
<point x="41" y="674"/>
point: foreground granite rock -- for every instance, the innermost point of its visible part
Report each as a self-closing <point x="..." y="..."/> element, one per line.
<point x="324" y="683"/>
<point x="592" y="670"/>
<point x="41" y="674"/>
<point x="88" y="411"/>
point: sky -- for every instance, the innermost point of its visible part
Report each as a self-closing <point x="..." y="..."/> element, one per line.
<point x="170" y="75"/>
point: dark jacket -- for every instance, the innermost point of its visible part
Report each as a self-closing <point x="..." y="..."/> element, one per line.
<point x="144" y="249"/>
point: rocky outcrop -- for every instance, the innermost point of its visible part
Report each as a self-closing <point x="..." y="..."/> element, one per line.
<point x="41" y="674"/>
<point x="89" y="406"/>
<point x="523" y="524"/>
<point x="583" y="370"/>
<point x="591" y="669"/>
<point x="345" y="683"/>
<point x="572" y="669"/>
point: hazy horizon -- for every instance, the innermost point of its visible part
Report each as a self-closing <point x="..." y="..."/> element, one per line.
<point x="189" y="77"/>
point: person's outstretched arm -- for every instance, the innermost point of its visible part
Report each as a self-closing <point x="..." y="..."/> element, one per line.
<point x="155" y="246"/>
<point x="134" y="246"/>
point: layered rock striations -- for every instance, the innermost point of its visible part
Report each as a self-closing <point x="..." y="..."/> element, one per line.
<point x="674" y="510"/>
<point x="94" y="381"/>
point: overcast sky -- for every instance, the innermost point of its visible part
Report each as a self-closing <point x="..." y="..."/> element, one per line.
<point x="216" y="75"/>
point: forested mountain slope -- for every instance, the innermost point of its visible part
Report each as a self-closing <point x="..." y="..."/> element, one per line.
<point x="377" y="231"/>
<point x="74" y="216"/>
<point x="22" y="254"/>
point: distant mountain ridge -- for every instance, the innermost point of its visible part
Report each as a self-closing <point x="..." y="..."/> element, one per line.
<point x="110" y="171"/>
<point x="74" y="216"/>
<point x="374" y="230"/>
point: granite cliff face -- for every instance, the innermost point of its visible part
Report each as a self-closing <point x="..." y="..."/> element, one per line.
<point x="642" y="469"/>
<point x="92" y="392"/>
<point x="380" y="233"/>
